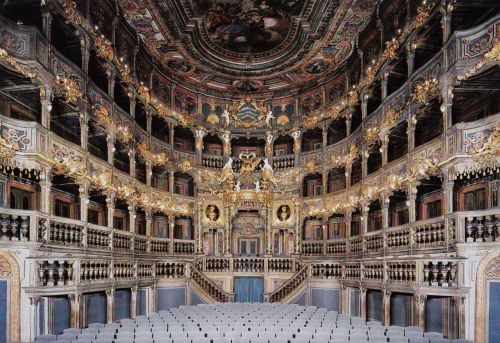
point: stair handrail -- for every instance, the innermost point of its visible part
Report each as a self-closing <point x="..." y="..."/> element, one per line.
<point x="290" y="285"/>
<point x="212" y="289"/>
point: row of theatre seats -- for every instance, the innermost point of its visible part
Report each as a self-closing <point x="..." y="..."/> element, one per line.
<point x="246" y="323"/>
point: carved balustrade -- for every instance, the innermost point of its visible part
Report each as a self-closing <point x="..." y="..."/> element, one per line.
<point x="92" y="271"/>
<point x="326" y="270"/>
<point x="352" y="271"/>
<point x="398" y="239"/>
<point x="213" y="162"/>
<point x="312" y="248"/>
<point x="123" y="270"/>
<point x="145" y="270"/>
<point x="248" y="264"/>
<point x="336" y="248"/>
<point x="402" y="273"/>
<point x="122" y="242"/>
<point x="373" y="243"/>
<point x="97" y="238"/>
<point x="65" y="232"/>
<point x="283" y="162"/>
<point x="478" y="228"/>
<point x="141" y="245"/>
<point x="442" y="273"/>
<point x="372" y="272"/>
<point x="280" y="265"/>
<point x="159" y="246"/>
<point x="431" y="234"/>
<point x="170" y="270"/>
<point x="355" y="246"/>
<point x="55" y="273"/>
<point x="14" y="227"/>
<point x="183" y="247"/>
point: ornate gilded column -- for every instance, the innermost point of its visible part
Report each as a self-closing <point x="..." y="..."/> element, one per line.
<point x="75" y="309"/>
<point x="171" y="131"/>
<point x="383" y="150"/>
<point x="110" y="305"/>
<point x="226" y="144"/>
<point x="198" y="228"/>
<point x="149" y="120"/>
<point x="410" y="58"/>
<point x="348" y="120"/>
<point x="83" y="190"/>
<point x="412" y="203"/>
<point x="149" y="173"/>
<point x="348" y="217"/>
<point x="149" y="223"/>
<point x="228" y="230"/>
<point x="269" y="146"/>
<point x="111" y="81"/>
<point x="298" y="234"/>
<point x="110" y="204"/>
<point x="385" y="80"/>
<point x="131" y="157"/>
<point x="171" y="225"/>
<point x="447" y="186"/>
<point x="133" y="102"/>
<point x="110" y="141"/>
<point x="348" y="172"/>
<point x="84" y="132"/>
<point x="364" y="163"/>
<point x="297" y="145"/>
<point x="132" y="208"/>
<point x="384" y="201"/>
<point x="45" y="186"/>
<point x="199" y="134"/>
<point x="364" y="105"/>
<point x="171" y="180"/>
<point x="46" y="105"/>
<point x="411" y="133"/>
<point x="133" y="302"/>
<point x="266" y="213"/>
<point x="325" y="135"/>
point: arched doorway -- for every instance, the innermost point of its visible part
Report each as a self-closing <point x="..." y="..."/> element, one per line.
<point x="488" y="299"/>
<point x="9" y="298"/>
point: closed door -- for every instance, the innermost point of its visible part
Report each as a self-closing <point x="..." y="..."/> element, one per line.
<point x="248" y="246"/>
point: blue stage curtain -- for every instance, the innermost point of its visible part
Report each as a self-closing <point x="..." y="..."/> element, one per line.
<point x="248" y="289"/>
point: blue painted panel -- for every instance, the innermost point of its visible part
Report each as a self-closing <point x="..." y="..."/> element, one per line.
<point x="167" y="298"/>
<point x="354" y="310"/>
<point x="122" y="304"/>
<point x="325" y="298"/>
<point x="96" y="308"/>
<point x="61" y="315"/>
<point x="142" y="302"/>
<point x="248" y="289"/>
<point x="494" y="312"/>
<point x="195" y="299"/>
<point x="4" y="307"/>
<point x="434" y="315"/>
<point x="400" y="309"/>
<point x="41" y="316"/>
<point x="301" y="299"/>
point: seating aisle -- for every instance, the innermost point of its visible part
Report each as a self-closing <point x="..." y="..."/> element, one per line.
<point x="246" y="323"/>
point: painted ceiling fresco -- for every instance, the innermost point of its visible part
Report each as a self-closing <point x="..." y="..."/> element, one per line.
<point x="248" y="46"/>
<point x="247" y="26"/>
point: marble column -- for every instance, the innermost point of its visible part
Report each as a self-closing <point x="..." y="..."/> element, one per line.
<point x="362" y="302"/>
<point x="149" y="223"/>
<point x="83" y="190"/>
<point x="419" y="308"/>
<point x="110" y="141"/>
<point x="110" y="203"/>
<point x="132" y="208"/>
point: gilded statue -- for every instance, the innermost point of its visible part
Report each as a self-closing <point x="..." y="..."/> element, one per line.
<point x="268" y="173"/>
<point x="227" y="171"/>
<point x="250" y="162"/>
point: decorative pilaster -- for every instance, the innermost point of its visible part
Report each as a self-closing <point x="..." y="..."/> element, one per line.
<point x="149" y="121"/>
<point x="110" y="305"/>
<point x="171" y="225"/>
<point x="324" y="132"/>
<point x="419" y="314"/>
<point x="364" y="106"/>
<point x="75" y="309"/>
<point x="447" y="195"/>
<point x="297" y="144"/>
<point x="386" y="303"/>
<point x="171" y="131"/>
<point x="149" y="173"/>
<point x="199" y="229"/>
<point x="45" y="186"/>
<point x="460" y="311"/>
<point x="410" y="58"/>
<point x="364" y="163"/>
<point x="297" y="235"/>
<point x="133" y="302"/>
<point x="362" y="302"/>
<point x="412" y="203"/>
<point x="46" y="105"/>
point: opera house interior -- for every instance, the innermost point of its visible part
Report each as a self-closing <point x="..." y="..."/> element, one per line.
<point x="250" y="171"/>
